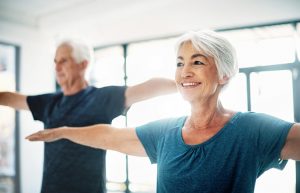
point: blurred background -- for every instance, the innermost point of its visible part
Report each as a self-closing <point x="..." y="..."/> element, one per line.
<point x="134" y="41"/>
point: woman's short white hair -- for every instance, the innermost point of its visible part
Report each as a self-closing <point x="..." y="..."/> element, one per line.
<point x="81" y="51"/>
<point x="213" y="45"/>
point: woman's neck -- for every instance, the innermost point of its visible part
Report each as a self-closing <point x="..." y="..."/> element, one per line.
<point x="208" y="115"/>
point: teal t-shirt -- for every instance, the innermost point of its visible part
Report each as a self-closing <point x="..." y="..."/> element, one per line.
<point x="229" y="162"/>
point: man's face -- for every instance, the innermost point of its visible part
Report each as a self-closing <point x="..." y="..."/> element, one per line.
<point x="66" y="68"/>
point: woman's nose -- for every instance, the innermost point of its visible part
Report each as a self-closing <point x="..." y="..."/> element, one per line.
<point x="186" y="71"/>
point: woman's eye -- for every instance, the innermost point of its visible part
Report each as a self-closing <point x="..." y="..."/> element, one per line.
<point x="198" y="63"/>
<point x="179" y="64"/>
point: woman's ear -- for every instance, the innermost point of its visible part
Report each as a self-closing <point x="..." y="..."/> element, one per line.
<point x="223" y="80"/>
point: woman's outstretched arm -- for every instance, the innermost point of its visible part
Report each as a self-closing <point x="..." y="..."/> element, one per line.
<point x="291" y="149"/>
<point x="102" y="136"/>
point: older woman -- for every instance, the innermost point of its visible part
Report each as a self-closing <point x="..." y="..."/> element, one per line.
<point x="212" y="150"/>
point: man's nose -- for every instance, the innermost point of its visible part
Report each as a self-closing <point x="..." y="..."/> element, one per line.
<point x="57" y="66"/>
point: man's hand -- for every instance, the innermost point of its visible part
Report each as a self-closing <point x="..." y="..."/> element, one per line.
<point x="47" y="135"/>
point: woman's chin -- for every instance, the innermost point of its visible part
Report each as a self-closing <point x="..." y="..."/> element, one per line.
<point x="187" y="98"/>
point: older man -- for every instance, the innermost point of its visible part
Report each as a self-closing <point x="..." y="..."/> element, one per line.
<point x="69" y="167"/>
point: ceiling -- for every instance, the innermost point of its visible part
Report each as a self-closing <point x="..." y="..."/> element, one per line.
<point x="116" y="20"/>
<point x="39" y="13"/>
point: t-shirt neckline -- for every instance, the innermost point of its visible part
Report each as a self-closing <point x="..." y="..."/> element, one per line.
<point x="231" y="120"/>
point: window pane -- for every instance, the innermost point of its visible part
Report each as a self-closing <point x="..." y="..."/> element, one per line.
<point x="115" y="187"/>
<point x="264" y="45"/>
<point x="115" y="192"/>
<point x="298" y="41"/>
<point x="277" y="181"/>
<point x="7" y="120"/>
<point x="116" y="162"/>
<point x="142" y="175"/>
<point x="276" y="51"/>
<point x="234" y="95"/>
<point x="115" y="167"/>
<point x="154" y="58"/>
<point x="107" y="68"/>
<point x="271" y="93"/>
<point x="147" y="60"/>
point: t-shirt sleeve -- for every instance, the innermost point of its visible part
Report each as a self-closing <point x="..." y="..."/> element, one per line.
<point x="115" y="100"/>
<point x="151" y="136"/>
<point x="271" y="138"/>
<point x="38" y="105"/>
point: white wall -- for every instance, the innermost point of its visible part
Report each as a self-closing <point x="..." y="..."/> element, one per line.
<point x="36" y="71"/>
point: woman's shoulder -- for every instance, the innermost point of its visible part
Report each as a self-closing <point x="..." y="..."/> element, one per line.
<point x="174" y="121"/>
<point x="257" y="118"/>
<point x="256" y="115"/>
<point x="166" y="123"/>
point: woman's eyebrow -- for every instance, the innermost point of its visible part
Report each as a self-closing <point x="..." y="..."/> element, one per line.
<point x="198" y="55"/>
<point x="180" y="57"/>
<point x="193" y="56"/>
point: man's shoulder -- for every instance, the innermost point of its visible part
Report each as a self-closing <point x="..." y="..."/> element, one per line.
<point x="45" y="95"/>
<point x="108" y="89"/>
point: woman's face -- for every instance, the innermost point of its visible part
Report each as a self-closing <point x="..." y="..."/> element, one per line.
<point x="196" y="74"/>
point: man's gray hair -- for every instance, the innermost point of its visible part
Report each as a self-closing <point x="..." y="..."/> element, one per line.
<point x="81" y="51"/>
<point x="216" y="46"/>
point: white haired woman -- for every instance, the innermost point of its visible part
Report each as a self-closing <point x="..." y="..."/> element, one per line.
<point x="212" y="150"/>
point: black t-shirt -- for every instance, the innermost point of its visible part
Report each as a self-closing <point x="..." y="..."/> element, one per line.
<point x="70" y="167"/>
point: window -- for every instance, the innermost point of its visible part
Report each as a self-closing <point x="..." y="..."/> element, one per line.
<point x="234" y="95"/>
<point x="147" y="60"/>
<point x="263" y="46"/>
<point x="272" y="93"/>
<point x="8" y="128"/>
<point x="107" y="68"/>
<point x="297" y="41"/>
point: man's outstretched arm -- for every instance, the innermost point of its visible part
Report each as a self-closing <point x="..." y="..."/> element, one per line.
<point x="146" y="90"/>
<point x="14" y="100"/>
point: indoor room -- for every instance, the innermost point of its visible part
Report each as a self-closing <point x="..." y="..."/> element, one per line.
<point x="132" y="42"/>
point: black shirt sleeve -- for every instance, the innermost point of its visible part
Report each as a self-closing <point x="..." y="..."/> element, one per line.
<point x="39" y="105"/>
<point x="115" y="101"/>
